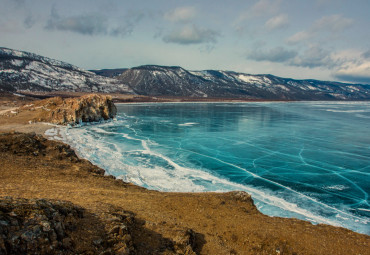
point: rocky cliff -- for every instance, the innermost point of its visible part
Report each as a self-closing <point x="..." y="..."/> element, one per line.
<point x="74" y="110"/>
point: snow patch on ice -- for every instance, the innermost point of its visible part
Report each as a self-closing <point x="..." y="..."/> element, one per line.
<point x="188" y="124"/>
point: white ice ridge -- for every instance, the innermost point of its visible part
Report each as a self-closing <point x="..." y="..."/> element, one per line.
<point x="109" y="157"/>
<point x="188" y="124"/>
<point x="285" y="187"/>
<point x="135" y="159"/>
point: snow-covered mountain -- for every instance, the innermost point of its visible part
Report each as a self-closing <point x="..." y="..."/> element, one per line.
<point x="176" y="81"/>
<point x="23" y="71"/>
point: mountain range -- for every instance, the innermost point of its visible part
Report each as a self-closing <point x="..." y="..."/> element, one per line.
<point x="23" y="71"/>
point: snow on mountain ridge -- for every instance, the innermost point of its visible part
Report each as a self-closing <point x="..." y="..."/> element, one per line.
<point x="176" y="81"/>
<point x="28" y="71"/>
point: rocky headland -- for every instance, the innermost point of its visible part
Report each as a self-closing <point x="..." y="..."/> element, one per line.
<point x="52" y="202"/>
<point x="72" y="111"/>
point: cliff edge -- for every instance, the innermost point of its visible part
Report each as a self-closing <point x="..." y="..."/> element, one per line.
<point x="72" y="111"/>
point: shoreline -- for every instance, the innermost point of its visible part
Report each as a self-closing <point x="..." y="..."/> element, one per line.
<point x="167" y="213"/>
<point x="285" y="208"/>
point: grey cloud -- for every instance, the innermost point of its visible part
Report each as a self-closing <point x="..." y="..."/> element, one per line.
<point x="313" y="57"/>
<point x="122" y="30"/>
<point x="278" y="54"/>
<point x="29" y="21"/>
<point x="94" y="24"/>
<point x="128" y="24"/>
<point x="353" y="78"/>
<point x="191" y="35"/>
<point x="91" y="24"/>
<point x="366" y="54"/>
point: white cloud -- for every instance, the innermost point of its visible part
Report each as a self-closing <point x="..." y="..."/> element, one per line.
<point x="190" y="34"/>
<point x="355" y="66"/>
<point x="277" y="22"/>
<point x="261" y="8"/>
<point x="355" y="72"/>
<point x="325" y="26"/>
<point x="181" y="14"/>
<point x="278" y="54"/>
<point x="299" y="37"/>
<point x="334" y="23"/>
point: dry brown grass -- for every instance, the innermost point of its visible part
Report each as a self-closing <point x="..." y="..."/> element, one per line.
<point x="223" y="224"/>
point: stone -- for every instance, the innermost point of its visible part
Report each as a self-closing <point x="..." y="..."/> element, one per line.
<point x="185" y="242"/>
<point x="114" y="230"/>
<point x="45" y="226"/>
<point x="74" y="111"/>
<point x="123" y="251"/>
<point x="122" y="230"/>
<point x="98" y="242"/>
<point x="59" y="229"/>
<point x="67" y="243"/>
<point x="35" y="226"/>
<point x="241" y="196"/>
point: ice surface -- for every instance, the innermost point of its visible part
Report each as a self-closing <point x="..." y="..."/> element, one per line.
<point x="296" y="159"/>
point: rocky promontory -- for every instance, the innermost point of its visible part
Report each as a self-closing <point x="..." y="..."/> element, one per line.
<point x="72" y="111"/>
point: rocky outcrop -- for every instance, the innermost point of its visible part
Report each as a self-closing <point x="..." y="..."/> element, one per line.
<point x="45" y="226"/>
<point x="30" y="144"/>
<point x="72" y="111"/>
<point x="37" y="226"/>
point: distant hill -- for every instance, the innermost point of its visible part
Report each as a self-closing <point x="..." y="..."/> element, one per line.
<point x="109" y="72"/>
<point x="175" y="81"/>
<point x="23" y="71"/>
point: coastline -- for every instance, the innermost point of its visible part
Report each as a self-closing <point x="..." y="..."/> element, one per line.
<point x="223" y="223"/>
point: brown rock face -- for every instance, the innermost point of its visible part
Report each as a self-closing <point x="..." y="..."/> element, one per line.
<point x="75" y="110"/>
<point x="37" y="226"/>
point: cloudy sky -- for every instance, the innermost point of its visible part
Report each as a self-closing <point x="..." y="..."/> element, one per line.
<point x="320" y="39"/>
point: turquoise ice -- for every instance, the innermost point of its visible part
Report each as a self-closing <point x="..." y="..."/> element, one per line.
<point x="309" y="160"/>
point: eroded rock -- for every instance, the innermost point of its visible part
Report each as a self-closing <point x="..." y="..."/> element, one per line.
<point x="34" y="145"/>
<point x="72" y="111"/>
<point x="36" y="226"/>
